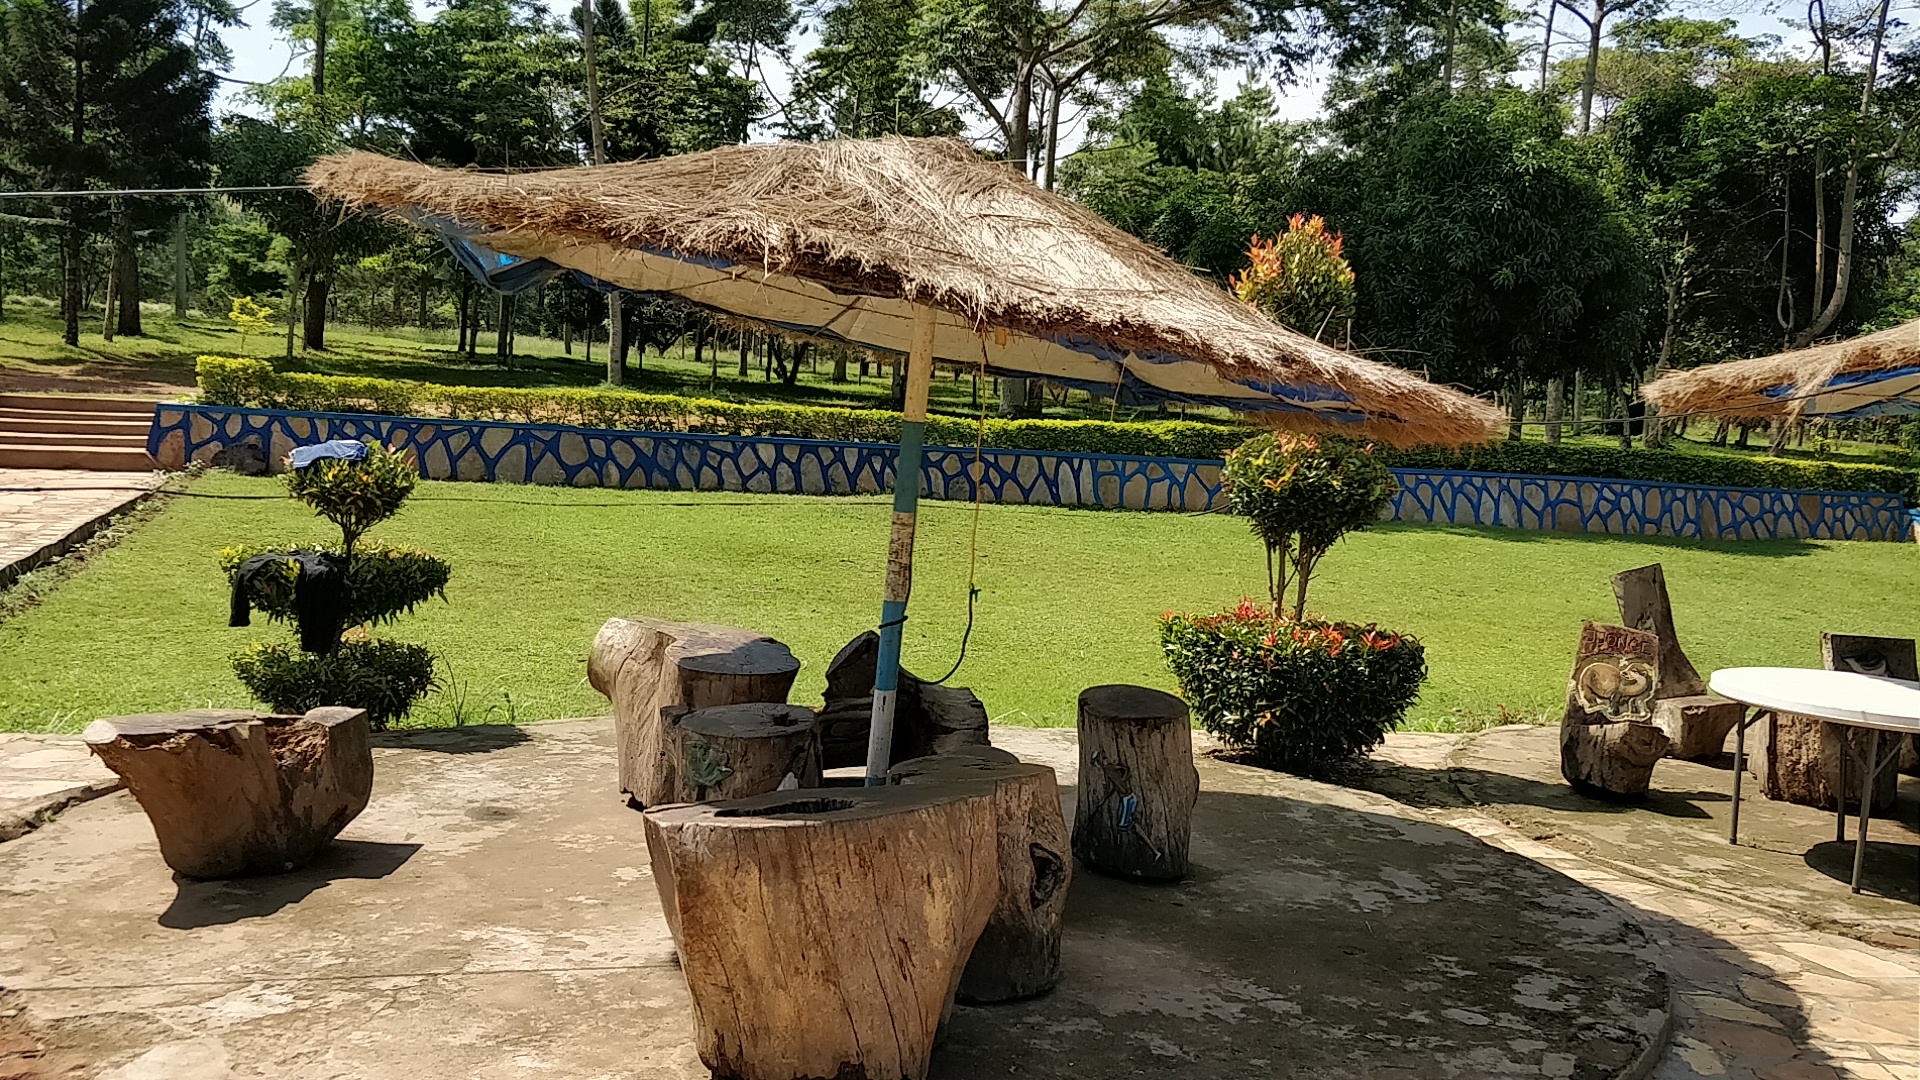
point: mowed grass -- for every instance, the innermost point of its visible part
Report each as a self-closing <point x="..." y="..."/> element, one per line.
<point x="1069" y="598"/>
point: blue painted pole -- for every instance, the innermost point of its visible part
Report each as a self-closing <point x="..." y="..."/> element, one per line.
<point x="906" y="503"/>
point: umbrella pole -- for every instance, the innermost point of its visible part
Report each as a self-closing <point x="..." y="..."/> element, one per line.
<point x="906" y="502"/>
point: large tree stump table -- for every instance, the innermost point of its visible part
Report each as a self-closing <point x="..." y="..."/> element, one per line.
<point x="646" y="665"/>
<point x="1138" y="784"/>
<point x="733" y="751"/>
<point x="1018" y="954"/>
<point x="237" y="793"/>
<point x="1608" y="742"/>
<point x="823" y="933"/>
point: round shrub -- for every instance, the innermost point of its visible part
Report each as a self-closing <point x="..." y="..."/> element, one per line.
<point x="1292" y="694"/>
<point x="1300" y="493"/>
<point x="381" y="676"/>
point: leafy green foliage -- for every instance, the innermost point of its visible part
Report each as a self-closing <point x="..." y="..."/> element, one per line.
<point x="383" y="583"/>
<point x="1300" y="494"/>
<point x="356" y="495"/>
<point x="1299" y="277"/>
<point x="383" y="677"/>
<point x="1293" y="694"/>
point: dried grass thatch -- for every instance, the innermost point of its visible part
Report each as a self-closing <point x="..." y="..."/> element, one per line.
<point x="1738" y="389"/>
<point x="924" y="221"/>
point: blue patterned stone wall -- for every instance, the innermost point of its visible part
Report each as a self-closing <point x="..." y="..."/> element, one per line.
<point x="546" y="454"/>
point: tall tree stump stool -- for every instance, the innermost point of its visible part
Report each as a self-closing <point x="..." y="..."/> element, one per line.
<point x="1695" y="722"/>
<point x="234" y="793"/>
<point x="1134" y="815"/>
<point x="733" y="751"/>
<point x="646" y="665"/>
<point x="823" y="933"/>
<point x="1018" y="954"/>
<point x="1813" y="763"/>
<point x="1608" y="743"/>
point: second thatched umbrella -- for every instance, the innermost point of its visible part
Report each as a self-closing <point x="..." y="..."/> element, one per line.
<point x="920" y="248"/>
<point x="1872" y="375"/>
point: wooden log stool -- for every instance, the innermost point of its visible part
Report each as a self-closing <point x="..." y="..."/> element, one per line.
<point x="235" y="793"/>
<point x="1608" y="743"/>
<point x="823" y="933"/>
<point x="733" y="751"/>
<point x="645" y="665"/>
<point x="1813" y="763"/>
<point x="1695" y="722"/>
<point x="1134" y="814"/>
<point x="1018" y="954"/>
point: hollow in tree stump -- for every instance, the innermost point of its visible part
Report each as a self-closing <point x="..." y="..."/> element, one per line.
<point x="234" y="793"/>
<point x="733" y="751"/>
<point x="1018" y="954"/>
<point x="644" y="666"/>
<point x="823" y="933"/>
<point x="1134" y="815"/>
<point x="1799" y="758"/>
<point x="1608" y="743"/>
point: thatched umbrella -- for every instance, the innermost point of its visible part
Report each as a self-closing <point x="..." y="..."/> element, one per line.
<point x="1872" y="375"/>
<point x="920" y="248"/>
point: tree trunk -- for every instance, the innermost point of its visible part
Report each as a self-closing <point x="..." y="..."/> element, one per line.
<point x="126" y="272"/>
<point x="734" y="751"/>
<point x="180" y="265"/>
<point x="823" y="934"/>
<point x="314" y="326"/>
<point x="502" y="333"/>
<point x="1013" y="398"/>
<point x="1134" y="814"/>
<point x="1555" y="408"/>
<point x="1546" y="43"/>
<point x="237" y="793"/>
<point x="1596" y="28"/>
<point x="616" y="339"/>
<point x="1018" y="954"/>
<point x="1516" y="408"/>
<point x="1579" y="390"/>
<point x="746" y="346"/>
<point x="70" y="279"/>
<point x="644" y="666"/>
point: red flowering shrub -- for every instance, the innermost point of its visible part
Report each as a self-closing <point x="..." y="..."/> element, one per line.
<point x="1294" y="694"/>
<point x="1299" y="277"/>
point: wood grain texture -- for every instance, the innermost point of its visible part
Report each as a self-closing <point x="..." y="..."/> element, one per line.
<point x="733" y="751"/>
<point x="1138" y="784"/>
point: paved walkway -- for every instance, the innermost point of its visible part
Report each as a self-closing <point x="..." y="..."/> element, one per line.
<point x="1779" y="972"/>
<point x="45" y="511"/>
<point x="41" y="775"/>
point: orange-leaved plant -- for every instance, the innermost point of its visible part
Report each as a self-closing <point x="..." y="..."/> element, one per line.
<point x="1300" y="278"/>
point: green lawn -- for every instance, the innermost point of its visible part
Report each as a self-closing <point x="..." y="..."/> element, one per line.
<point x="1069" y="597"/>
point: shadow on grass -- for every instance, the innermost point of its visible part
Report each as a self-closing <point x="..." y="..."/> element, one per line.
<point x="217" y="903"/>
<point x="1517" y="535"/>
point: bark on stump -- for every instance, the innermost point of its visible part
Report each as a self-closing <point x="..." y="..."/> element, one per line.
<point x="1799" y="758"/>
<point x="1608" y="744"/>
<point x="1018" y="954"/>
<point x="927" y="719"/>
<point x="1695" y="722"/>
<point x="823" y="934"/>
<point x="645" y="665"/>
<point x="1138" y="784"/>
<point x="235" y="793"/>
<point x="733" y="751"/>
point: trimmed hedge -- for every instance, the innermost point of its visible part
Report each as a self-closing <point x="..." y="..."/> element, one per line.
<point x="255" y="384"/>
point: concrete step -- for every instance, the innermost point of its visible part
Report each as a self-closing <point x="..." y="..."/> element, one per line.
<point x="44" y="456"/>
<point x="74" y="423"/>
<point x="77" y="403"/>
<point x="51" y="438"/>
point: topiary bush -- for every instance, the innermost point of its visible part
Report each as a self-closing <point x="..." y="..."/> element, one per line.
<point x="1300" y="493"/>
<point x="359" y="584"/>
<point x="1293" y="694"/>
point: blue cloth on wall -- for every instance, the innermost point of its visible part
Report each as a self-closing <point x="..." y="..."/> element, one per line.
<point x="337" y="450"/>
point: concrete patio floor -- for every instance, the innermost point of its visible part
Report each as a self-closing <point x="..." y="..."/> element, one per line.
<point x="491" y="914"/>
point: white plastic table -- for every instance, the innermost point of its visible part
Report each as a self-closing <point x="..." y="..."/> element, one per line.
<point x="1869" y="702"/>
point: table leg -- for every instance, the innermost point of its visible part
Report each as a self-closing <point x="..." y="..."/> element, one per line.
<point x="1739" y="766"/>
<point x="1870" y="773"/>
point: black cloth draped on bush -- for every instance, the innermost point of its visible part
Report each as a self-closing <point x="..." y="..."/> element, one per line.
<point x="320" y="593"/>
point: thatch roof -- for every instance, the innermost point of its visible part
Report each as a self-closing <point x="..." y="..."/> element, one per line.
<point x="909" y="221"/>
<point x="1738" y="389"/>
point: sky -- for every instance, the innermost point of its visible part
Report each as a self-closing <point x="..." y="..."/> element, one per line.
<point x="260" y="54"/>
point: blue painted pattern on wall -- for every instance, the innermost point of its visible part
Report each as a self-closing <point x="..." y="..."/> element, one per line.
<point x="548" y="454"/>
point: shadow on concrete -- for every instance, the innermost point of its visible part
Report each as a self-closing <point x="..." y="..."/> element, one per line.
<point x="218" y="903"/>
<point x="1890" y="869"/>
<point x="471" y="739"/>
<point x="1458" y="786"/>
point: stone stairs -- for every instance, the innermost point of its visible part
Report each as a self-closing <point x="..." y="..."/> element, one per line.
<point x="62" y="432"/>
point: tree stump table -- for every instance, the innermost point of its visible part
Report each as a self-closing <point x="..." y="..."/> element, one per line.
<point x="1695" y="722"/>
<point x="823" y="933"/>
<point x="1608" y="743"/>
<point x="733" y="751"/>
<point x="237" y="793"/>
<point x="645" y="665"/>
<point x="1138" y="784"/>
<point x="1018" y="954"/>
